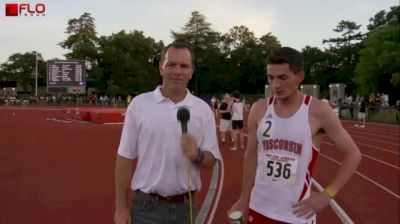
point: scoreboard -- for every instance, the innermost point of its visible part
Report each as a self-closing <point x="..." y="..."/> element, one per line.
<point x="66" y="76"/>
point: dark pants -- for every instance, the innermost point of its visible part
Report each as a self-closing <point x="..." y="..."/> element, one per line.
<point x="148" y="209"/>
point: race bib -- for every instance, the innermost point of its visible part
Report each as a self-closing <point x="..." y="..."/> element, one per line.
<point x="280" y="169"/>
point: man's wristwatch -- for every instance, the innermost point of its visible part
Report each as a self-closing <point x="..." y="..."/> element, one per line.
<point x="199" y="158"/>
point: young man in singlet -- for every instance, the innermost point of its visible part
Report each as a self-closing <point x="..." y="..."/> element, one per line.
<point x="285" y="134"/>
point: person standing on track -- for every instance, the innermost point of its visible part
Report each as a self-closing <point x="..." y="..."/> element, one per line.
<point x="168" y="161"/>
<point x="285" y="134"/>
<point x="361" y="114"/>
<point x="238" y="108"/>
<point x="225" y="123"/>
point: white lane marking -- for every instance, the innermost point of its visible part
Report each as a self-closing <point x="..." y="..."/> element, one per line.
<point x="216" y="202"/>
<point x="113" y="123"/>
<point x="365" y="177"/>
<point x="371" y="146"/>
<point x="372" y="134"/>
<point x="380" y="161"/>
<point x="58" y="120"/>
<point x="369" y="157"/>
<point x="376" y="140"/>
<point x="208" y="201"/>
<point x="29" y="108"/>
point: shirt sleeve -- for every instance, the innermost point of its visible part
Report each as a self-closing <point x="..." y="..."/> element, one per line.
<point x="128" y="142"/>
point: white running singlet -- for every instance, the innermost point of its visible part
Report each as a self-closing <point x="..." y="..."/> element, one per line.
<point x="286" y="157"/>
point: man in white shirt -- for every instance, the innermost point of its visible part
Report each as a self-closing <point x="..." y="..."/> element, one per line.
<point x="169" y="161"/>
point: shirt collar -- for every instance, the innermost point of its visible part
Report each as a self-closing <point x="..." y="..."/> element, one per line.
<point x="187" y="101"/>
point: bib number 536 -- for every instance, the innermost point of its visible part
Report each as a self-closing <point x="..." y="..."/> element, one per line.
<point x="278" y="169"/>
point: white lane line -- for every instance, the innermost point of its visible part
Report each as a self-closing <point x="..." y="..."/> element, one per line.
<point x="58" y="120"/>
<point x="335" y="206"/>
<point x="369" y="157"/>
<point x="28" y="108"/>
<point x="113" y="123"/>
<point x="365" y="177"/>
<point x="372" y="134"/>
<point x="380" y="161"/>
<point x="370" y="146"/>
<point x="376" y="140"/>
<point x="205" y="207"/>
<point x="216" y="202"/>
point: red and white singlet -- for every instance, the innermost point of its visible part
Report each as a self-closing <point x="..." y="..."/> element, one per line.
<point x="286" y="157"/>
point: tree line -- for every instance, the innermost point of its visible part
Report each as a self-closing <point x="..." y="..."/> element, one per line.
<point x="127" y="62"/>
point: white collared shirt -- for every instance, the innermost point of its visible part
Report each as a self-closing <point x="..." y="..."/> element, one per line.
<point x="152" y="133"/>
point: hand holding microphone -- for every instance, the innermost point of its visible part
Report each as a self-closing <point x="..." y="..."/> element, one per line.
<point x="188" y="142"/>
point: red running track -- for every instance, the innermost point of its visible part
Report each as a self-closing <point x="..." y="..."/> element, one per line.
<point x="56" y="172"/>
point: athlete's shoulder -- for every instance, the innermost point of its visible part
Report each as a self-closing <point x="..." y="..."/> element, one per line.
<point x="259" y="107"/>
<point x="261" y="103"/>
<point x="319" y="107"/>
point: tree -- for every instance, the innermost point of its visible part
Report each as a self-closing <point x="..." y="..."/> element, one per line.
<point x="343" y="53"/>
<point x="205" y="41"/>
<point x="379" y="65"/>
<point x="383" y="18"/>
<point x="22" y="68"/>
<point x="82" y="39"/>
<point x="127" y="63"/>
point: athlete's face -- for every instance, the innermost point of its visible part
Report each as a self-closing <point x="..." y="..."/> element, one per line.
<point x="283" y="81"/>
<point x="176" y="68"/>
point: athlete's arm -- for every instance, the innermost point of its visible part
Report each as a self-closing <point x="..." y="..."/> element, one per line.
<point x="343" y="142"/>
<point x="326" y="119"/>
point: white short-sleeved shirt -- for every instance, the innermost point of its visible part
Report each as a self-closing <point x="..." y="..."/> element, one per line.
<point x="152" y="134"/>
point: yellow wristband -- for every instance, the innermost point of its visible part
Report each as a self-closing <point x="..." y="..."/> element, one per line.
<point x="329" y="192"/>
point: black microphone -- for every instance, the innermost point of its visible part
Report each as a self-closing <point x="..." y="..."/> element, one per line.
<point x="183" y="116"/>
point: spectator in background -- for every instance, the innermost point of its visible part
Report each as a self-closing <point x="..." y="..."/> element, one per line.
<point x="225" y="123"/>
<point x="361" y="114"/>
<point x="397" y="106"/>
<point x="371" y="105"/>
<point x="214" y="103"/>
<point x="238" y="108"/>
<point x="128" y="100"/>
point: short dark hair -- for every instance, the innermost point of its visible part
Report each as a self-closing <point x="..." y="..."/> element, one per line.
<point x="236" y="94"/>
<point x="287" y="55"/>
<point x="178" y="45"/>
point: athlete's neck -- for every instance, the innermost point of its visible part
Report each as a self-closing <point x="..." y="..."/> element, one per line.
<point x="288" y="106"/>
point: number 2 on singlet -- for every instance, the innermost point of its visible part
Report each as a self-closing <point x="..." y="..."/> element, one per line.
<point x="269" y="124"/>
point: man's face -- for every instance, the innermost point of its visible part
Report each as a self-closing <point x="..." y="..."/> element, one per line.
<point x="283" y="81"/>
<point x="176" y="68"/>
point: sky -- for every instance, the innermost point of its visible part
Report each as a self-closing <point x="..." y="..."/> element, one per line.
<point x="295" y="23"/>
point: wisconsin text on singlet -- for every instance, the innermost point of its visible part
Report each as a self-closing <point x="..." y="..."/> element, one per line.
<point x="282" y="144"/>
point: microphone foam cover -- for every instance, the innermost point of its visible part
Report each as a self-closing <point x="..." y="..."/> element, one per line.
<point x="183" y="114"/>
